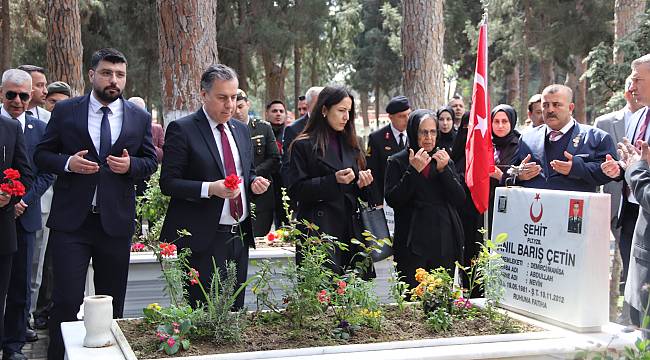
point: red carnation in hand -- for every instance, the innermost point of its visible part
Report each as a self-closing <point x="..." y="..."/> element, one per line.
<point x="12" y="174"/>
<point x="232" y="181"/>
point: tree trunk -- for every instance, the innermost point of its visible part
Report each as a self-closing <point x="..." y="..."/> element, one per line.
<point x="626" y="20"/>
<point x="423" y="33"/>
<point x="547" y="76"/>
<point x="5" y="36"/>
<point x="243" y="47"/>
<point x="275" y="75"/>
<point x="363" y="98"/>
<point x="313" y="68"/>
<point x="512" y="85"/>
<point x="297" y="62"/>
<point x="525" y="62"/>
<point x="64" y="49"/>
<point x="377" y="105"/>
<point x="187" y="43"/>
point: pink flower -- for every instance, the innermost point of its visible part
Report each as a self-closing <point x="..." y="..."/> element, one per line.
<point x="137" y="247"/>
<point x="341" y="287"/>
<point x="322" y="297"/>
<point x="194" y="278"/>
<point x="161" y="336"/>
<point x="171" y="342"/>
<point x="462" y="303"/>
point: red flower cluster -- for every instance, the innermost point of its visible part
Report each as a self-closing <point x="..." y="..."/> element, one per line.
<point x="137" y="247"/>
<point x="270" y="236"/>
<point x="167" y="250"/>
<point x="323" y="298"/>
<point x="11" y="185"/>
<point x="463" y="303"/>
<point x="232" y="181"/>
<point x="194" y="276"/>
<point x="341" y="287"/>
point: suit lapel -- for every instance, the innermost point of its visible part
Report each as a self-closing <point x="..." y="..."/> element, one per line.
<point x="30" y="136"/>
<point x="205" y="130"/>
<point x="577" y="136"/>
<point x="81" y="120"/>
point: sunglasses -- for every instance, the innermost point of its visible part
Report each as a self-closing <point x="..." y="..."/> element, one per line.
<point x="10" y="95"/>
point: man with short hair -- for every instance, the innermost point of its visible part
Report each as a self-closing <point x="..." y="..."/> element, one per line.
<point x="623" y="211"/>
<point x="57" y="91"/>
<point x="388" y="140"/>
<point x="457" y="104"/>
<point x="266" y="159"/>
<point x="563" y="154"/>
<point x="99" y="145"/>
<point x="28" y="214"/>
<point x="201" y="150"/>
<point x="302" y="105"/>
<point x="291" y="131"/>
<point x="39" y="92"/>
<point x="276" y="115"/>
<point x="535" y="114"/>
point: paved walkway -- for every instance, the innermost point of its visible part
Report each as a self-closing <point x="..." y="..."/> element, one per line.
<point x="37" y="350"/>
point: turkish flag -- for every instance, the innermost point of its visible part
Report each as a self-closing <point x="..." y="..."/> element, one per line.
<point x="478" y="150"/>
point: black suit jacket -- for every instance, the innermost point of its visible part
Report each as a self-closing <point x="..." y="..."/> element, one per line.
<point x="290" y="133"/>
<point x="381" y="145"/>
<point x="67" y="134"/>
<point x="13" y="154"/>
<point x="191" y="158"/>
<point x="31" y="219"/>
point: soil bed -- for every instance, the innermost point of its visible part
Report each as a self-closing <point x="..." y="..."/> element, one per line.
<point x="278" y="334"/>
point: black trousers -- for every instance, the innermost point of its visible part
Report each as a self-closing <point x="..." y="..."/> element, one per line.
<point x="262" y="223"/>
<point x="5" y="272"/>
<point x="226" y="247"/>
<point x="19" y="293"/>
<point x="72" y="253"/>
<point x="628" y="223"/>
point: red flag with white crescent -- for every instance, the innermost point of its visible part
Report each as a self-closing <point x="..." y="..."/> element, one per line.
<point x="478" y="150"/>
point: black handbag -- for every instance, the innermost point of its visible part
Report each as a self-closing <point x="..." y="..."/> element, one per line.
<point x="373" y="220"/>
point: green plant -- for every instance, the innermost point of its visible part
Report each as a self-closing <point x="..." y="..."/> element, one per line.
<point x="439" y="320"/>
<point x="398" y="288"/>
<point x="435" y="289"/>
<point x="174" y="336"/>
<point x="362" y="260"/>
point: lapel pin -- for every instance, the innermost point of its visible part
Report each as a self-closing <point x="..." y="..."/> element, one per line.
<point x="576" y="141"/>
<point x="387" y="148"/>
<point x="30" y="126"/>
<point x="387" y="136"/>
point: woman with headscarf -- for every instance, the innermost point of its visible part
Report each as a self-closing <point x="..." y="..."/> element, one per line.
<point x="506" y="143"/>
<point x="446" y="129"/>
<point x="327" y="171"/>
<point x="423" y="189"/>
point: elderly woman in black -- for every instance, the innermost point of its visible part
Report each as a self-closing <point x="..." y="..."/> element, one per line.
<point x="446" y="129"/>
<point x="424" y="190"/>
<point x="506" y="142"/>
<point x="327" y="170"/>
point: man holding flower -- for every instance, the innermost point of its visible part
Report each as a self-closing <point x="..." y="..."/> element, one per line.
<point x="208" y="172"/>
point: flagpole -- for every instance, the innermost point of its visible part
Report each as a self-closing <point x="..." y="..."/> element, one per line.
<point x="486" y="217"/>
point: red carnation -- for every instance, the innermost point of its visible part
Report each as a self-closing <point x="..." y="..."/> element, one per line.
<point x="11" y="185"/>
<point x="232" y="181"/>
<point x="12" y="174"/>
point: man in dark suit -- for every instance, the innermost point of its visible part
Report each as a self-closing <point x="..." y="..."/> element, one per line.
<point x="563" y="154"/>
<point x="575" y="220"/>
<point x="99" y="145"/>
<point x="28" y="213"/>
<point x="266" y="161"/>
<point x="13" y="154"/>
<point x="201" y="149"/>
<point x="388" y="140"/>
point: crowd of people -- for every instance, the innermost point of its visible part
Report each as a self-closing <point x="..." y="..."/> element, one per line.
<point x="84" y="159"/>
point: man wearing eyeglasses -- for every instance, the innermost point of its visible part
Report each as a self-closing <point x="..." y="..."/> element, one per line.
<point x="99" y="145"/>
<point x="16" y="96"/>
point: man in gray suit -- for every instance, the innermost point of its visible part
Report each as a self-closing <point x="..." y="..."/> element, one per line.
<point x="637" y="175"/>
<point x="615" y="124"/>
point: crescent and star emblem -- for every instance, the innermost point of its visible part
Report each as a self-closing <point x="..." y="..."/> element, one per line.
<point x="538" y="217"/>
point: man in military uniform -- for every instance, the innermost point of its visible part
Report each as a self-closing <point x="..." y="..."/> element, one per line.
<point x="266" y="161"/>
<point x="388" y="140"/>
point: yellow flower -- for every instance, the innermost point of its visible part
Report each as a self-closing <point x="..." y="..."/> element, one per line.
<point x="420" y="274"/>
<point x="154" y="306"/>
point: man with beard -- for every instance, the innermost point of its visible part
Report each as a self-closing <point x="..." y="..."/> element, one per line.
<point x="99" y="145"/>
<point x="563" y="154"/>
<point x="302" y="105"/>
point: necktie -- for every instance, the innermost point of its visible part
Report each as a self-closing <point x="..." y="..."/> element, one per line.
<point x="640" y="135"/>
<point x="401" y="141"/>
<point x="555" y="135"/>
<point x="236" y="208"/>
<point x="104" y="136"/>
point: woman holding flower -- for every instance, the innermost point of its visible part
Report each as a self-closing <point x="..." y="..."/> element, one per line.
<point x="327" y="170"/>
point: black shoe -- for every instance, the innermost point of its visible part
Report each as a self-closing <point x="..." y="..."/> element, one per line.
<point x="14" y="356"/>
<point x="40" y="323"/>
<point x="30" y="336"/>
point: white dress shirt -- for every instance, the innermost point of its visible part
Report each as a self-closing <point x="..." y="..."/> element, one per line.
<point x="20" y="118"/>
<point x="40" y="113"/>
<point x="563" y="130"/>
<point x="226" y="218"/>
<point x="396" y="134"/>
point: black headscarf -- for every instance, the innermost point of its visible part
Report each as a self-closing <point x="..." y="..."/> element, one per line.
<point x="458" y="151"/>
<point x="413" y="126"/>
<point x="446" y="140"/>
<point x="500" y="142"/>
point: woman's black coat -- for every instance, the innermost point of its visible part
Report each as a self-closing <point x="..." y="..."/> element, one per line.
<point x="320" y="199"/>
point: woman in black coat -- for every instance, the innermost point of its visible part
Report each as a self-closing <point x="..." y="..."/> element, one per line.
<point x="327" y="171"/>
<point x="423" y="189"/>
<point x="447" y="132"/>
<point x="506" y="143"/>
